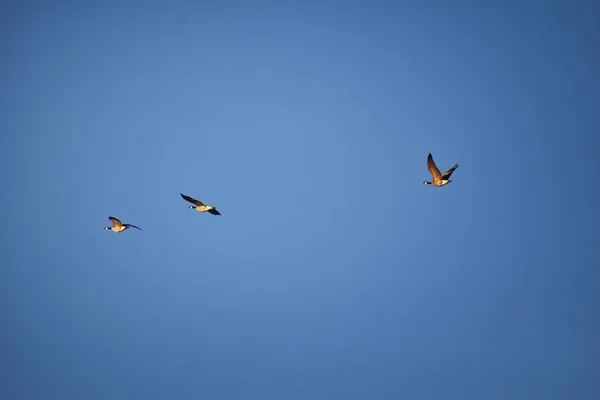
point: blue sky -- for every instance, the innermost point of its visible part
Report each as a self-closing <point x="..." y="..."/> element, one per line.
<point x="333" y="271"/>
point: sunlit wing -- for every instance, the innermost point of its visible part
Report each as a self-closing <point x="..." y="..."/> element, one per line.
<point x="433" y="169"/>
<point x="115" y="221"/>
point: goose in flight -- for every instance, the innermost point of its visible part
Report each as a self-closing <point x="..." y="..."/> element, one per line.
<point x="439" y="179"/>
<point x="200" y="206"/>
<point x="118" y="226"/>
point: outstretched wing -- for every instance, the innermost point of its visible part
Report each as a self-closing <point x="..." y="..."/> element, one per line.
<point x="447" y="174"/>
<point x="214" y="211"/>
<point x="133" y="226"/>
<point x="116" y="222"/>
<point x="433" y="169"/>
<point x="191" y="200"/>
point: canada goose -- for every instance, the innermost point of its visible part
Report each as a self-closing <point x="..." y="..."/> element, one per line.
<point x="200" y="206"/>
<point x="118" y="226"/>
<point x="439" y="179"/>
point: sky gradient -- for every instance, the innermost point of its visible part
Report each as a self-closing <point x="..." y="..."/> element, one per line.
<point x="333" y="273"/>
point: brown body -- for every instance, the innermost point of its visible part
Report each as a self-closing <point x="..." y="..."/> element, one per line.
<point x="439" y="179"/>
<point x="118" y="226"/>
<point x="200" y="206"/>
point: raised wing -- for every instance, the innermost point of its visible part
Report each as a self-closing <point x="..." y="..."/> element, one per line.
<point x="447" y="174"/>
<point x="214" y="211"/>
<point x="191" y="200"/>
<point x="133" y="226"/>
<point x="433" y="169"/>
<point x="115" y="221"/>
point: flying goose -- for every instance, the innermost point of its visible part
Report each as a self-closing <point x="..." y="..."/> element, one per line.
<point x="200" y="206"/>
<point x="118" y="226"/>
<point x="439" y="179"/>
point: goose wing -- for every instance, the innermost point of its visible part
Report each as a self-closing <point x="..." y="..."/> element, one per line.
<point x="447" y="174"/>
<point x="214" y="211"/>
<point x="116" y="221"/>
<point x="132" y="226"/>
<point x="433" y="169"/>
<point x="191" y="200"/>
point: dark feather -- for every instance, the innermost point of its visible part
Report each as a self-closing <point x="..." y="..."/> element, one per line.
<point x="191" y="200"/>
<point x="132" y="226"/>
<point x="447" y="174"/>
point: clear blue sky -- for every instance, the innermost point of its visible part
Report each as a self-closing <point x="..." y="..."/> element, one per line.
<point x="333" y="273"/>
